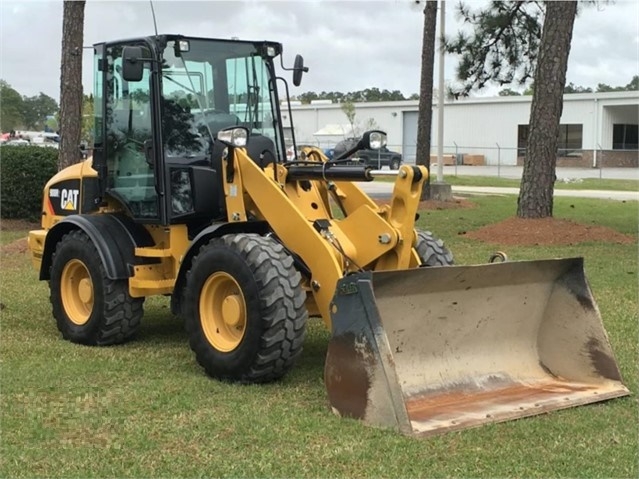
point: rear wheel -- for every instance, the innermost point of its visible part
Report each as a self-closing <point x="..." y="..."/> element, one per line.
<point x="394" y="164"/>
<point x="432" y="251"/>
<point x="90" y="308"/>
<point x="244" y="309"/>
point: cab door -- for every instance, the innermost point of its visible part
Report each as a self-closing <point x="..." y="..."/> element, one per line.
<point x="132" y="176"/>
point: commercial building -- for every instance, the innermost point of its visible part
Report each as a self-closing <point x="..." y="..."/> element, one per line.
<point x="597" y="129"/>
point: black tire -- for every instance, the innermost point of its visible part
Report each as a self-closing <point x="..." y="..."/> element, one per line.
<point x="395" y="163"/>
<point x="262" y="337"/>
<point x="432" y="251"/>
<point x="89" y="308"/>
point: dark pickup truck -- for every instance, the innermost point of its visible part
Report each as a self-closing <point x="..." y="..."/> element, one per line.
<point x="373" y="158"/>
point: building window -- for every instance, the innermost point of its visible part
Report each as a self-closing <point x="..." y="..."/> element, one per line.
<point x="625" y="137"/>
<point x="570" y="140"/>
<point x="569" y="143"/>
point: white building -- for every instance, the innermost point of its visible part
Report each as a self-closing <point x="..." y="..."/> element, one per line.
<point x="596" y="128"/>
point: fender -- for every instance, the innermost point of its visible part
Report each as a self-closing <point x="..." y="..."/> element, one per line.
<point x="214" y="231"/>
<point x="114" y="236"/>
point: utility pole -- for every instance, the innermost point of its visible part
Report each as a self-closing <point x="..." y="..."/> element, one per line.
<point x="439" y="189"/>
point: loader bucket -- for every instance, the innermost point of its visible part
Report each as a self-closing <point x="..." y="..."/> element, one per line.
<point x="439" y="349"/>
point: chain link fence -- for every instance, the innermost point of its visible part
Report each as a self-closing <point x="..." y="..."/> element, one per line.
<point x="507" y="161"/>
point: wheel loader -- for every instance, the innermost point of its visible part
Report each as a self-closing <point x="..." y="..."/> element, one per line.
<point x="188" y="193"/>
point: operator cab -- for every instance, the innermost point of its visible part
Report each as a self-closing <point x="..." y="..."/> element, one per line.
<point x="159" y="104"/>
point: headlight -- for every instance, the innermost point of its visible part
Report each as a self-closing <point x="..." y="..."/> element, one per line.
<point x="236" y="136"/>
<point x="377" y="140"/>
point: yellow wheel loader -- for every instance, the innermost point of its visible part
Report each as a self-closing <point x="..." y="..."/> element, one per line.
<point x="189" y="193"/>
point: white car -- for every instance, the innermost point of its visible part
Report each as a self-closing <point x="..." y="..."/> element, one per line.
<point x="17" y="142"/>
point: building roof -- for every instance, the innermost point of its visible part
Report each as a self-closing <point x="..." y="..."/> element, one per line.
<point x="631" y="97"/>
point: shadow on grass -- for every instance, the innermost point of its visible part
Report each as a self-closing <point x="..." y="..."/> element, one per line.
<point x="310" y="365"/>
<point x="161" y="329"/>
<point x="167" y="330"/>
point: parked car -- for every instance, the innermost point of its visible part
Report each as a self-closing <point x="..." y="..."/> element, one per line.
<point x="17" y="142"/>
<point x="329" y="152"/>
<point x="46" y="141"/>
<point x="373" y="158"/>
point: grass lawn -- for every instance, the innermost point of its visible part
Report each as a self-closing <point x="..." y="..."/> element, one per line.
<point x="584" y="184"/>
<point x="146" y="409"/>
<point x="494" y="181"/>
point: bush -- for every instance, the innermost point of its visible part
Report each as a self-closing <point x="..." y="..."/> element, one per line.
<point x="24" y="170"/>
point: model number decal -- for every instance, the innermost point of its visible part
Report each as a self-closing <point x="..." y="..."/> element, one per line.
<point x="68" y="197"/>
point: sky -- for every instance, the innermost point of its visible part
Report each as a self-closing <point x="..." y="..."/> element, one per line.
<point x="347" y="45"/>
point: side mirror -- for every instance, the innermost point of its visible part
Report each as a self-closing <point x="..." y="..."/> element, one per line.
<point x="298" y="70"/>
<point x="373" y="140"/>
<point x="132" y="64"/>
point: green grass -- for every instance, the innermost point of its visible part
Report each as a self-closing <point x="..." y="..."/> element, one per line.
<point x="584" y="184"/>
<point x="146" y="409"/>
<point x="7" y="237"/>
<point x="494" y="181"/>
<point x="12" y="230"/>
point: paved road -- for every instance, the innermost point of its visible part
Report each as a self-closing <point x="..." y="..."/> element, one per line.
<point x="384" y="189"/>
<point x="601" y="194"/>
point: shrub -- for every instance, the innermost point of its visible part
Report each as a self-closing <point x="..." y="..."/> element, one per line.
<point x="24" y="170"/>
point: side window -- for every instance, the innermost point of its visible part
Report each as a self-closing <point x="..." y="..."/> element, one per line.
<point x="97" y="101"/>
<point x="250" y="95"/>
<point x="128" y="125"/>
<point x="185" y="106"/>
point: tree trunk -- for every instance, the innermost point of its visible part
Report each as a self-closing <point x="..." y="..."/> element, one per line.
<point x="425" y="114"/>
<point x="537" y="182"/>
<point x="71" y="83"/>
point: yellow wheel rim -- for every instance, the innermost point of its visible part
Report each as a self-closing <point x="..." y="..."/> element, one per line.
<point x="77" y="292"/>
<point x="222" y="312"/>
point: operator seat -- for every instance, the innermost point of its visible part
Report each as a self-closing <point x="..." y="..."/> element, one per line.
<point x="261" y="149"/>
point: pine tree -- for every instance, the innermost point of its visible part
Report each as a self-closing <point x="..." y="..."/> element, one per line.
<point x="425" y="114"/>
<point x="538" y="179"/>
<point x="510" y="45"/>
<point x="71" y="83"/>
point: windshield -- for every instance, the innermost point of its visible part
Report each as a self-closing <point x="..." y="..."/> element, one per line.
<point x="214" y="85"/>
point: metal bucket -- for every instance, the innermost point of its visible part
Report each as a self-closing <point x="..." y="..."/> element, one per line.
<point x="439" y="349"/>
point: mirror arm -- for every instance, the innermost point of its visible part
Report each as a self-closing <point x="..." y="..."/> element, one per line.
<point x="348" y="153"/>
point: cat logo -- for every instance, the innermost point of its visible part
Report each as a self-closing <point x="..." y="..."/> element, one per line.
<point x="69" y="199"/>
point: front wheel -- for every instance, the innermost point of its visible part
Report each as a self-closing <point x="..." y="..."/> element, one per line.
<point x="431" y="250"/>
<point x="244" y="309"/>
<point x="90" y="308"/>
<point x="394" y="164"/>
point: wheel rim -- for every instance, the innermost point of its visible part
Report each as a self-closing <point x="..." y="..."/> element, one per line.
<point x="77" y="292"/>
<point x="223" y="312"/>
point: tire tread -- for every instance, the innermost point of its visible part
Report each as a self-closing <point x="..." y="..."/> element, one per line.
<point x="432" y="251"/>
<point x="121" y="314"/>
<point x="282" y="305"/>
